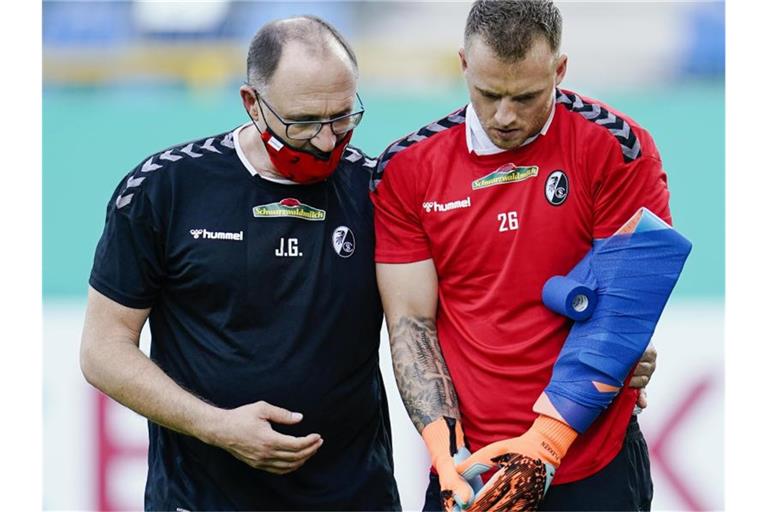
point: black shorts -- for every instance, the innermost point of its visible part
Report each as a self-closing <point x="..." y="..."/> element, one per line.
<point x="624" y="484"/>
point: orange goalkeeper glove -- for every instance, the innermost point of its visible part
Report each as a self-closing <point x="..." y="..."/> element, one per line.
<point x="527" y="465"/>
<point x="445" y="441"/>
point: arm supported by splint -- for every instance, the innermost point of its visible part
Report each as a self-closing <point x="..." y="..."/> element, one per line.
<point x="615" y="295"/>
<point x="630" y="276"/>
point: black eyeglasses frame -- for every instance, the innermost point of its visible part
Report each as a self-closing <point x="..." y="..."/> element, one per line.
<point x="320" y="124"/>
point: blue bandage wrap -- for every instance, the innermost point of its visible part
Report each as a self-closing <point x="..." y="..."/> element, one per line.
<point x="632" y="275"/>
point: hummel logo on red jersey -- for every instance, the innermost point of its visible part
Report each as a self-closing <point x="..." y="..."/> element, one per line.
<point x="434" y="206"/>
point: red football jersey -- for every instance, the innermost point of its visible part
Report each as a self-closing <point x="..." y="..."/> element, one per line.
<point x="497" y="227"/>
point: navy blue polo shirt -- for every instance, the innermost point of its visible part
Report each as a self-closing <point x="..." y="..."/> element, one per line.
<point x="258" y="291"/>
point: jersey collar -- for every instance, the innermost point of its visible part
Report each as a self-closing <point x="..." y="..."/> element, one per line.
<point x="478" y="141"/>
<point x="247" y="164"/>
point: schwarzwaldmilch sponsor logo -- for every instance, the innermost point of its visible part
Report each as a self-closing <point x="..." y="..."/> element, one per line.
<point x="556" y="188"/>
<point x="216" y="235"/>
<point x="289" y="207"/>
<point x="507" y="173"/>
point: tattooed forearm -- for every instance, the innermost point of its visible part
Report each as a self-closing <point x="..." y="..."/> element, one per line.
<point x="422" y="376"/>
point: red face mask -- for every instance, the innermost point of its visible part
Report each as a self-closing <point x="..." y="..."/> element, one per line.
<point x="302" y="166"/>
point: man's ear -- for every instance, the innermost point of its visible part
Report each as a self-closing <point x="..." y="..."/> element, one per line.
<point x="248" y="97"/>
<point x="560" y="68"/>
<point x="463" y="59"/>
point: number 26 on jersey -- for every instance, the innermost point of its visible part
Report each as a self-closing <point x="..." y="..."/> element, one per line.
<point x="507" y="221"/>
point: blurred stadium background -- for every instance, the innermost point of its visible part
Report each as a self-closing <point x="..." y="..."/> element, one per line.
<point x="125" y="79"/>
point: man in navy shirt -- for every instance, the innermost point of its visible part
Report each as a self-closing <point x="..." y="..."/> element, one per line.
<point x="251" y="254"/>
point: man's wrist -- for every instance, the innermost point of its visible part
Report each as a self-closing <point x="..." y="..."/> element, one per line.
<point x="443" y="437"/>
<point x="207" y="425"/>
<point x="555" y="437"/>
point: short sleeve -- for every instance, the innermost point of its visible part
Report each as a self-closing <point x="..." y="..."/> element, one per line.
<point x="622" y="187"/>
<point x="400" y="236"/>
<point x="128" y="264"/>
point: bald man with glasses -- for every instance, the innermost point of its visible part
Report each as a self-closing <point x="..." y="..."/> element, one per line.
<point x="250" y="253"/>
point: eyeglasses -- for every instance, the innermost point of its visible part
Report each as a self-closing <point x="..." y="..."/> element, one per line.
<point x="305" y="130"/>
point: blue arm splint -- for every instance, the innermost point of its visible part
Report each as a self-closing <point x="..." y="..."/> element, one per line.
<point x="615" y="294"/>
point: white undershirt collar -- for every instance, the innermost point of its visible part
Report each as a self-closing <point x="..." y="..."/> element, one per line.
<point x="247" y="163"/>
<point x="478" y="141"/>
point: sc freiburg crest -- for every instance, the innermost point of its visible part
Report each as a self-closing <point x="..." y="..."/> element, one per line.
<point x="556" y="188"/>
<point x="343" y="241"/>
